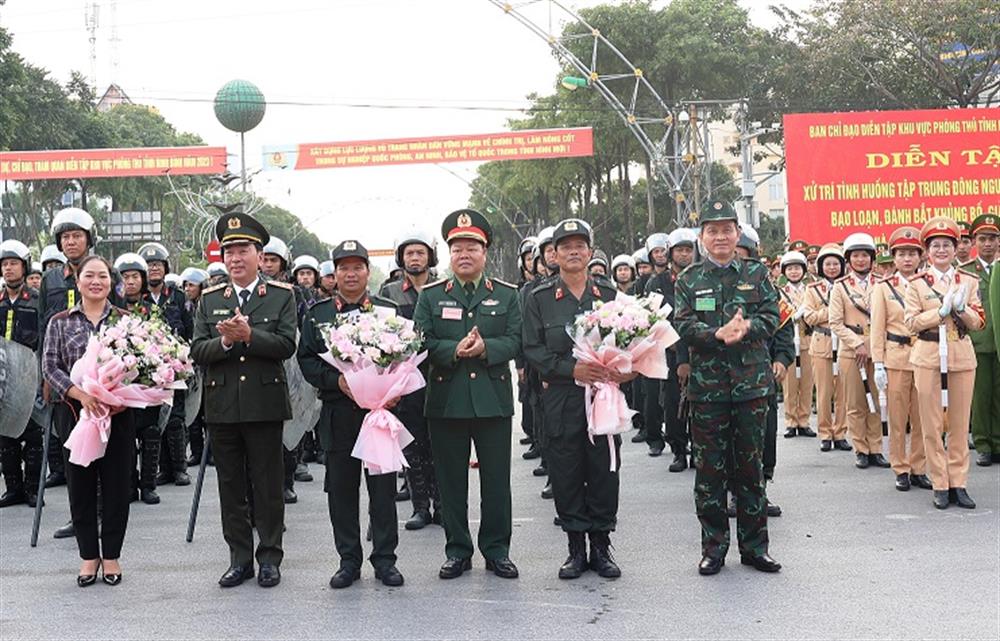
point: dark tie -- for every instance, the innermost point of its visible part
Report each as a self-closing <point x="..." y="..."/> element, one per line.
<point x="244" y="297"/>
<point x="470" y="289"/>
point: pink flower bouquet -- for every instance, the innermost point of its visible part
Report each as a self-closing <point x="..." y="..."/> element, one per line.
<point x="130" y="362"/>
<point x="379" y="355"/>
<point x="624" y="335"/>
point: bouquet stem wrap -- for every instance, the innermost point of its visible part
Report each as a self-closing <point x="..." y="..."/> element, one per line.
<point x="607" y="410"/>
<point x="383" y="436"/>
<point x="89" y="438"/>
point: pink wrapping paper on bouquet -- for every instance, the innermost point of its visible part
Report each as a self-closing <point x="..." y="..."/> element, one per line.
<point x="383" y="436"/>
<point x="89" y="438"/>
<point x="607" y="409"/>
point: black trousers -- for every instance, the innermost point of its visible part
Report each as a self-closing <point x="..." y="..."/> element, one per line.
<point x="112" y="472"/>
<point x="340" y="423"/>
<point x="770" y="458"/>
<point x="652" y="412"/>
<point x="583" y="486"/>
<point x="26" y="449"/>
<point x="242" y="451"/>
<point x="678" y="435"/>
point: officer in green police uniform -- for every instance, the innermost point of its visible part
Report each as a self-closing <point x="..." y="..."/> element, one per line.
<point x="985" y="395"/>
<point x="727" y="310"/>
<point x="340" y="424"/>
<point x="472" y="330"/>
<point x="584" y="481"/>
<point x="244" y="330"/>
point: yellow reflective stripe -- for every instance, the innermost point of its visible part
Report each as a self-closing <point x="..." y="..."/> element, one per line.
<point x="70" y="298"/>
<point x="9" y="331"/>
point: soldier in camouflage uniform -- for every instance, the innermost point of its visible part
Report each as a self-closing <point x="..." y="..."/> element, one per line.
<point x="727" y="310"/>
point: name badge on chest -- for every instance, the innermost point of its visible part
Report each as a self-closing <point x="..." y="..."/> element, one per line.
<point x="706" y="304"/>
<point x="451" y="313"/>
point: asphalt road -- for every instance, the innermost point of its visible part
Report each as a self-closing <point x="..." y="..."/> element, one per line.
<point x="861" y="561"/>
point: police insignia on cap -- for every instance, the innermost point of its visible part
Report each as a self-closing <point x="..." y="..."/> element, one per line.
<point x="234" y="223"/>
<point x="941" y="225"/>
<point x="464" y="220"/>
<point x="907" y="234"/>
<point x="571" y="226"/>
<point x="717" y="205"/>
<point x="350" y="245"/>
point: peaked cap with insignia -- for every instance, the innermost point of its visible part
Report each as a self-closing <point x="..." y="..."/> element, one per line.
<point x="718" y="210"/>
<point x="237" y="227"/>
<point x="467" y="223"/>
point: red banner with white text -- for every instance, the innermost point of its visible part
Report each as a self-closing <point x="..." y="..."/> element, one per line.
<point x="111" y="163"/>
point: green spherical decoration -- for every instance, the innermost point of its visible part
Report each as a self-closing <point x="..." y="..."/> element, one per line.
<point x="239" y="105"/>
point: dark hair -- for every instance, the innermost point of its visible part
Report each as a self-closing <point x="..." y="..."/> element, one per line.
<point x="91" y="258"/>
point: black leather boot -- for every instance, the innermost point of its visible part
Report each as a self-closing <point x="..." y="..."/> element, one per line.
<point x="601" y="560"/>
<point x="576" y="562"/>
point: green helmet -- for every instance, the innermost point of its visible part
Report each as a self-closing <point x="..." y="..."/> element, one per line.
<point x="718" y="210"/>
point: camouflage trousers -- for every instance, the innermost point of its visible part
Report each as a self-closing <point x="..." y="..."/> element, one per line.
<point x="728" y="440"/>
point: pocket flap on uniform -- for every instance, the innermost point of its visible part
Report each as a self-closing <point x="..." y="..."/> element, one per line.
<point x="215" y="380"/>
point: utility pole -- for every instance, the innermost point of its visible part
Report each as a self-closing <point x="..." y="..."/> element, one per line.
<point x="113" y="41"/>
<point x="746" y="157"/>
<point x="90" y="20"/>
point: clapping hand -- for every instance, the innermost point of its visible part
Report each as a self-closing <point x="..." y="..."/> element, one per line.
<point x="733" y="331"/>
<point x="234" y="330"/>
<point x="472" y="346"/>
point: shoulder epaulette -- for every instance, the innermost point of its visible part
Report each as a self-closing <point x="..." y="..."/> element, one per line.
<point x="316" y="302"/>
<point x="503" y="282"/>
<point x="214" y="288"/>
<point x="382" y="300"/>
<point x="919" y="276"/>
<point x="545" y="284"/>
<point x="436" y="283"/>
<point x="841" y="279"/>
<point x="282" y="285"/>
<point x="815" y="283"/>
<point x="968" y="263"/>
<point x="969" y="272"/>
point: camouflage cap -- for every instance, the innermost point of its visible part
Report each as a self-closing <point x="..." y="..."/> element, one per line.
<point x="718" y="210"/>
<point x="883" y="257"/>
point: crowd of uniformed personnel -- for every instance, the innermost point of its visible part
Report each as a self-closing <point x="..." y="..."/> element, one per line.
<point x="894" y="340"/>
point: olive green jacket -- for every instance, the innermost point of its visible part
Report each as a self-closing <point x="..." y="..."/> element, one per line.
<point x="469" y="387"/>
<point x="246" y="383"/>
<point x="983" y="340"/>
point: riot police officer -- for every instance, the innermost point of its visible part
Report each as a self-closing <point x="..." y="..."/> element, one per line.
<point x="19" y="323"/>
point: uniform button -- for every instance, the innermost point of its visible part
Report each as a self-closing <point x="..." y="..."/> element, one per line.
<point x="470" y="314"/>
<point x="243" y="378"/>
<point x="472" y="375"/>
<point x="440" y="379"/>
<point x="243" y="358"/>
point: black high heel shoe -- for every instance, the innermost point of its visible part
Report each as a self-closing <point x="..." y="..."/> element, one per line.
<point x="87" y="580"/>
<point x="112" y="579"/>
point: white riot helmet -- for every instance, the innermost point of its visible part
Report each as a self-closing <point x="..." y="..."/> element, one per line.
<point x="36" y="268"/>
<point x="639" y="257"/>
<point x="657" y="240"/>
<point x="173" y="280"/>
<point x="194" y="275"/>
<point x="326" y="268"/>
<point x="155" y="251"/>
<point x="545" y="238"/>
<point x="792" y="258"/>
<point x="51" y="253"/>
<point x="416" y="236"/>
<point x="305" y="261"/>
<point x="623" y="259"/>
<point x="749" y="239"/>
<point x="683" y="236"/>
<point x="72" y="218"/>
<point x="131" y="262"/>
<point x="277" y="247"/>
<point x="17" y="249"/>
<point x="216" y="269"/>
<point x="859" y="242"/>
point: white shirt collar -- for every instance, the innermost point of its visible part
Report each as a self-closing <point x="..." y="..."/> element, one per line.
<point x="249" y="287"/>
<point x="938" y="275"/>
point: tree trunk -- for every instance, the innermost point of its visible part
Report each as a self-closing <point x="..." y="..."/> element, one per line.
<point x="651" y="220"/>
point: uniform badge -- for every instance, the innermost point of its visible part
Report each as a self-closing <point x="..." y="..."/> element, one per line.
<point x="464" y="220"/>
<point x="490" y="302"/>
<point x="234" y="223"/>
<point x="228" y="293"/>
<point x="571" y="226"/>
<point x="449" y="286"/>
<point x="717" y="205"/>
<point x="220" y="312"/>
<point x="745" y="287"/>
<point x="350" y="245"/>
<point x="488" y="284"/>
<point x="451" y="313"/>
<point x="559" y="293"/>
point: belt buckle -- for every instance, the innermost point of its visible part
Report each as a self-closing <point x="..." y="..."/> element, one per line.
<point x="952" y="334"/>
<point x="866" y="330"/>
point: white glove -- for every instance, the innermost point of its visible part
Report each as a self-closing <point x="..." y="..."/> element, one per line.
<point x="961" y="297"/>
<point x="881" y="377"/>
<point x="799" y="313"/>
<point x="946" y="303"/>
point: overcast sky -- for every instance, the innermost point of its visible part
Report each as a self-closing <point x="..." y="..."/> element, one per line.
<point x="445" y="53"/>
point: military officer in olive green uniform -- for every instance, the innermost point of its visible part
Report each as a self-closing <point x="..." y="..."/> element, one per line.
<point x="584" y="481"/>
<point x="472" y="330"/>
<point x="244" y="330"/>
<point x="986" y="390"/>
<point x="340" y="424"/>
<point x="727" y="311"/>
